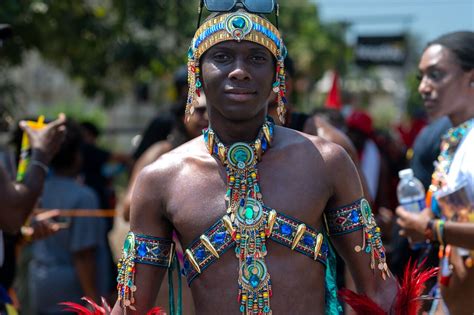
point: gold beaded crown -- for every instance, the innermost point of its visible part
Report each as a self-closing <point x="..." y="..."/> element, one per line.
<point x="236" y="26"/>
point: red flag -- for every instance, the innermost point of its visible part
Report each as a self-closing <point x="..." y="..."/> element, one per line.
<point x="334" y="96"/>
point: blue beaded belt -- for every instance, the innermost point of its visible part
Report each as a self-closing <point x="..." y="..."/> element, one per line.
<point x="345" y="219"/>
<point x="286" y="231"/>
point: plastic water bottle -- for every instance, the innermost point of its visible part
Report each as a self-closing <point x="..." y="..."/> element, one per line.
<point x="411" y="195"/>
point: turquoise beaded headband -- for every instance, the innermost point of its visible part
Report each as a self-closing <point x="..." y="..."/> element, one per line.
<point x="236" y="26"/>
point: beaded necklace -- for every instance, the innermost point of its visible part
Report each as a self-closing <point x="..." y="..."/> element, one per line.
<point x="439" y="180"/>
<point x="245" y="212"/>
<point x="449" y="144"/>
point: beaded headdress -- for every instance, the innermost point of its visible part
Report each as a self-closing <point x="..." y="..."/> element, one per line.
<point x="236" y="26"/>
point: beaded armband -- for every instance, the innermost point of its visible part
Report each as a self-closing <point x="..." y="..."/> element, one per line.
<point x="354" y="217"/>
<point x="141" y="249"/>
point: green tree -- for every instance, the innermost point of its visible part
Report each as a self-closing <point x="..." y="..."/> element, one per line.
<point x="314" y="47"/>
<point x="110" y="46"/>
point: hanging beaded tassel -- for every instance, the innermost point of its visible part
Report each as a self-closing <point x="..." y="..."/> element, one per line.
<point x="194" y="83"/>
<point x="126" y="273"/>
<point x="372" y="241"/>
<point x="245" y="208"/>
<point x="279" y="86"/>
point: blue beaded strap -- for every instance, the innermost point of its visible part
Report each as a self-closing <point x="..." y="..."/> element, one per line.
<point x="208" y="32"/>
<point x="154" y="251"/>
<point x="284" y="231"/>
<point x="219" y="238"/>
<point x="218" y="27"/>
<point x="345" y="219"/>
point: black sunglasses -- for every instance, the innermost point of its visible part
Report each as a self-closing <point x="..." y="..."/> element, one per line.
<point x="254" y="6"/>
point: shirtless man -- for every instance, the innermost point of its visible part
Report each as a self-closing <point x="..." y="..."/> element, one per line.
<point x="279" y="183"/>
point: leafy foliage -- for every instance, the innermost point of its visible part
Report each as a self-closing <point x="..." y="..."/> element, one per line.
<point x="112" y="46"/>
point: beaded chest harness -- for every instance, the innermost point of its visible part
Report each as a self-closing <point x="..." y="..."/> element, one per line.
<point x="245" y="216"/>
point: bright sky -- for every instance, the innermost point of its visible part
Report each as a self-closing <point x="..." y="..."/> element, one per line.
<point x="426" y="19"/>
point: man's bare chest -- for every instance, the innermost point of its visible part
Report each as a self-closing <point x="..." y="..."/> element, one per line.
<point x="197" y="203"/>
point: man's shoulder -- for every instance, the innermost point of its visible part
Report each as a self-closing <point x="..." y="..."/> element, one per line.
<point x="170" y="163"/>
<point x="296" y="140"/>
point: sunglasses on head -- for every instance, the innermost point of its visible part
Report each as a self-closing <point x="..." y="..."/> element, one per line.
<point x="253" y="6"/>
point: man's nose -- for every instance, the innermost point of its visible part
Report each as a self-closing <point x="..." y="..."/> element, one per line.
<point x="240" y="70"/>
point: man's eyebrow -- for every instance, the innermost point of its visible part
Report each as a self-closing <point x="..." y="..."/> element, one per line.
<point x="258" y="49"/>
<point x="221" y="48"/>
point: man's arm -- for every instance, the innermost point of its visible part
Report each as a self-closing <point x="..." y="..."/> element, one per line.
<point x="346" y="190"/>
<point x="18" y="199"/>
<point x="148" y="218"/>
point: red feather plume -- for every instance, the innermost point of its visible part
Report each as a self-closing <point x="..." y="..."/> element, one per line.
<point x="409" y="295"/>
<point x="99" y="310"/>
<point x="360" y="303"/>
<point x="156" y="311"/>
<point x="82" y="310"/>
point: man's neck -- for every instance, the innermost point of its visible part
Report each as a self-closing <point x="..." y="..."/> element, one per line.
<point x="231" y="131"/>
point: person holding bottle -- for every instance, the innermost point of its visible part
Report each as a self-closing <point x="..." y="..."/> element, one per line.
<point x="447" y="88"/>
<point x="411" y="196"/>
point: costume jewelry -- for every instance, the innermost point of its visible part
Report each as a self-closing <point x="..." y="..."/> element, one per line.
<point x="236" y="26"/>
<point x="439" y="180"/>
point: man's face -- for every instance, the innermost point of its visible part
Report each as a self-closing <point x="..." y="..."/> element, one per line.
<point x="237" y="79"/>
<point x="443" y="82"/>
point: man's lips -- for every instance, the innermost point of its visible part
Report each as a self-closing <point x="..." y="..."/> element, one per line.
<point x="239" y="91"/>
<point x="240" y="94"/>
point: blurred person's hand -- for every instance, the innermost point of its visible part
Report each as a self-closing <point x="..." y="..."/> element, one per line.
<point x="47" y="139"/>
<point x="413" y="225"/>
<point x="42" y="226"/>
